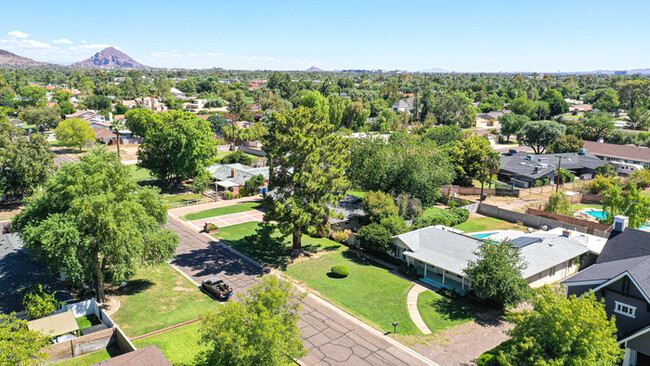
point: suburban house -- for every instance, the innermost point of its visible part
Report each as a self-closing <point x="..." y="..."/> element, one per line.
<point x="94" y="119"/>
<point x="580" y="108"/>
<point x="18" y="271"/>
<point x="630" y="154"/>
<point x="523" y="169"/>
<point x="490" y="119"/>
<point x="403" y="106"/>
<point x="150" y="356"/>
<point x="232" y="177"/>
<point x="441" y="254"/>
<point x="350" y="214"/>
<point x="621" y="276"/>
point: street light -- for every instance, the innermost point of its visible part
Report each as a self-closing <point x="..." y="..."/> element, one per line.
<point x="395" y="324"/>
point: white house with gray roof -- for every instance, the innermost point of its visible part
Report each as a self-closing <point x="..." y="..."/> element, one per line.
<point x="441" y="254"/>
<point x="231" y="177"/>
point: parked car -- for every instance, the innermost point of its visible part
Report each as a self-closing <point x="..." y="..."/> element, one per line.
<point x="217" y="287"/>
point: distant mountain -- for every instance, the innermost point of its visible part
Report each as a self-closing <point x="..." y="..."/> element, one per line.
<point x="434" y="70"/>
<point x="110" y="58"/>
<point x="11" y="59"/>
<point x="314" y="69"/>
<point x="639" y="71"/>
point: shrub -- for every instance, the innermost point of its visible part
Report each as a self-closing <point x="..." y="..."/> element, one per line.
<point x="395" y="224"/>
<point x="379" y="205"/>
<point x="408" y="271"/>
<point x="606" y="170"/>
<point x="486" y="359"/>
<point x="229" y="195"/>
<point x="438" y="216"/>
<point x="602" y="184"/>
<point x="374" y="237"/>
<point x="39" y="303"/>
<point x="340" y="271"/>
<point x="341" y="236"/>
<point x="237" y="157"/>
<point x="558" y="203"/>
<point x="213" y="227"/>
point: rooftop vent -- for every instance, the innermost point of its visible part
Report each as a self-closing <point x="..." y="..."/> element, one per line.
<point x="620" y="223"/>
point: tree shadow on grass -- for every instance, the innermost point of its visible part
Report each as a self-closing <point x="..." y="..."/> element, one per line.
<point x="132" y="287"/>
<point x="463" y="308"/>
<point x="358" y="259"/>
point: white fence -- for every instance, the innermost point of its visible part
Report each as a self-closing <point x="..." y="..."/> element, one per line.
<point x="88" y="307"/>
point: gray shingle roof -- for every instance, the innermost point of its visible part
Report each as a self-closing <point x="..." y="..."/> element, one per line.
<point x="630" y="243"/>
<point x="350" y="208"/>
<point x="517" y="164"/>
<point x="244" y="173"/>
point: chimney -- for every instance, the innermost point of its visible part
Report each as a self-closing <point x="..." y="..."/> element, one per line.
<point x="233" y="173"/>
<point x="110" y="116"/>
<point x="566" y="233"/>
<point x="620" y="223"/>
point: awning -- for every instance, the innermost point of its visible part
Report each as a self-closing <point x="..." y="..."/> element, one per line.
<point x="227" y="184"/>
<point x="55" y="325"/>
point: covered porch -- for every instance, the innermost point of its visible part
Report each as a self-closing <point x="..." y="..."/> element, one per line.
<point x="440" y="277"/>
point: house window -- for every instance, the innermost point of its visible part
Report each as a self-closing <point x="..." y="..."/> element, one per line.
<point x="552" y="271"/>
<point x="625" y="309"/>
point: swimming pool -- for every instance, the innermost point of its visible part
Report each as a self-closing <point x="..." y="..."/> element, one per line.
<point x="599" y="214"/>
<point x="483" y="235"/>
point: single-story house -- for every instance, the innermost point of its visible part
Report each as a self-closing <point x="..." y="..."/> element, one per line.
<point x="441" y="255"/>
<point x="490" y="119"/>
<point x="630" y="154"/>
<point x="232" y="177"/>
<point x="403" y="106"/>
<point x="621" y="277"/>
<point x="523" y="169"/>
<point x="150" y="356"/>
<point x="352" y="213"/>
<point x="580" y="108"/>
<point x="18" y="271"/>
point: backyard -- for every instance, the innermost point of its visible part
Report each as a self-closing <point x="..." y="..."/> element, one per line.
<point x="158" y="297"/>
<point x="277" y="252"/>
<point x="91" y="358"/>
<point x="240" y="207"/>
<point x="483" y="223"/>
<point x="180" y="345"/>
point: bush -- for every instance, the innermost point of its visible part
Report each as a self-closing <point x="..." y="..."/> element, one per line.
<point x="379" y="205"/>
<point x="213" y="227"/>
<point x="38" y="302"/>
<point x="374" y="237"/>
<point x="408" y="271"/>
<point x="558" y="203"/>
<point x="341" y="236"/>
<point x="486" y="359"/>
<point x="606" y="170"/>
<point x="237" y="157"/>
<point x="229" y="195"/>
<point x="395" y="224"/>
<point x="438" y="216"/>
<point x="339" y="271"/>
<point x="602" y="184"/>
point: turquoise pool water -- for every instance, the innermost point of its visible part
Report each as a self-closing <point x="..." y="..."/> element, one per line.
<point x="483" y="236"/>
<point x="599" y="214"/>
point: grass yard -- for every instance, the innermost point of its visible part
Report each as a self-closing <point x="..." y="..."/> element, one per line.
<point x="276" y="253"/>
<point x="91" y="358"/>
<point x="486" y="223"/>
<point x="440" y="313"/>
<point x="140" y="174"/>
<point x="179" y="345"/>
<point x="355" y="192"/>
<point x="582" y="206"/>
<point x="370" y="292"/>
<point x="182" y="198"/>
<point x="240" y="207"/>
<point x="158" y="297"/>
<point x="88" y="321"/>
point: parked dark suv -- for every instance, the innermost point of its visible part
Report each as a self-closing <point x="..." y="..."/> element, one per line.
<point x="217" y="287"/>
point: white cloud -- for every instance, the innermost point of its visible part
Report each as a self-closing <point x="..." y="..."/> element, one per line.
<point x="162" y="54"/>
<point x="18" y="34"/>
<point x="212" y="54"/>
<point x="192" y="54"/>
<point x="61" y="41"/>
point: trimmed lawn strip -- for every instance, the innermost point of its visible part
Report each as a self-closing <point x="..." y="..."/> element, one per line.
<point x="370" y="292"/>
<point x="486" y="223"/>
<point x="87" y="321"/>
<point x="582" y="206"/>
<point x="278" y="252"/>
<point x="158" y="297"/>
<point x="179" y="345"/>
<point x="93" y="357"/>
<point x="182" y="198"/>
<point x="440" y="313"/>
<point x="240" y="207"/>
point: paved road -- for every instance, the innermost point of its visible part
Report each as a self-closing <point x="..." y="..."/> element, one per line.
<point x="331" y="336"/>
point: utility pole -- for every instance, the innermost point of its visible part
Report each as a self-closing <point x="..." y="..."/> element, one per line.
<point x="483" y="178"/>
<point x="559" y="175"/>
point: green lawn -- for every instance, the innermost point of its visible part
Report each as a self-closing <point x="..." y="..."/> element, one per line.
<point x="370" y="292"/>
<point x="276" y="253"/>
<point x="486" y="223"/>
<point x="179" y="345"/>
<point x="240" y="207"/>
<point x="440" y="312"/>
<point x="87" y="321"/>
<point x="140" y="174"/>
<point x="355" y="192"/>
<point x="158" y="297"/>
<point x="182" y="198"/>
<point x="582" y="206"/>
<point x="91" y="358"/>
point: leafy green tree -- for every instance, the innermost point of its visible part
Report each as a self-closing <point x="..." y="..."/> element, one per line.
<point x="454" y="109"/>
<point x="469" y="157"/>
<point x="38" y="302"/>
<point x="237" y="157"/>
<point x="31" y="95"/>
<point x="562" y="331"/>
<point x="61" y="95"/>
<point x="638" y="118"/>
<point x="173" y="104"/>
<point x="443" y="135"/>
<point x="409" y="207"/>
<point x="337" y="108"/>
<point x="92" y="217"/>
<point x="558" y="203"/>
<point x="540" y="134"/>
<point x="307" y="166"/>
<point x="42" y="117"/>
<point x="378" y="206"/>
<point x="98" y="102"/>
<point x="556" y="103"/>
<point x="606" y="170"/>
<point x="633" y="204"/>
<point x="140" y="120"/>
<point x="633" y="93"/>
<point x="597" y="126"/>
<point x="496" y="273"/>
<point x="18" y="344"/>
<point x="25" y="161"/>
<point x="121" y="108"/>
<point x="260" y="329"/>
<point x="512" y="123"/>
<point x="238" y="105"/>
<point x="187" y="86"/>
<point x="566" y="144"/>
<point x="607" y="101"/>
<point x="180" y="146"/>
<point x="75" y="132"/>
<point x="375" y="237"/>
<point x="315" y="99"/>
<point x="201" y="182"/>
<point x="524" y="106"/>
<point x="355" y="115"/>
<point x="217" y="124"/>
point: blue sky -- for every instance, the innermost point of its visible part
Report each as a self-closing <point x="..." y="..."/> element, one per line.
<point x="458" y="35"/>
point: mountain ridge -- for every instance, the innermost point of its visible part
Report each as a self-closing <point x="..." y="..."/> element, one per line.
<point x="110" y="58"/>
<point x="11" y="59"/>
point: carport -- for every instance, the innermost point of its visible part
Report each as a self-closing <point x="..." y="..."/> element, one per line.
<point x="56" y="325"/>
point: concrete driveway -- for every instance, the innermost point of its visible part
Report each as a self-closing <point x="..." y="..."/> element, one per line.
<point x="332" y="336"/>
<point x="231" y="219"/>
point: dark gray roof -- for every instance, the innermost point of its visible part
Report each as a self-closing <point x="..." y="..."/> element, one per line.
<point x="607" y="270"/>
<point x="630" y="243"/>
<point x="533" y="167"/>
<point x="350" y="208"/>
<point x="18" y="271"/>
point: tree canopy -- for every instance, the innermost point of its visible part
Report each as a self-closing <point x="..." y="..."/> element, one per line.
<point x="540" y="134"/>
<point x="75" y="132"/>
<point x="92" y="218"/>
<point x="18" y="344"/>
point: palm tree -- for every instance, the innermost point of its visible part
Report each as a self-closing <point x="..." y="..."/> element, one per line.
<point x="116" y="126"/>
